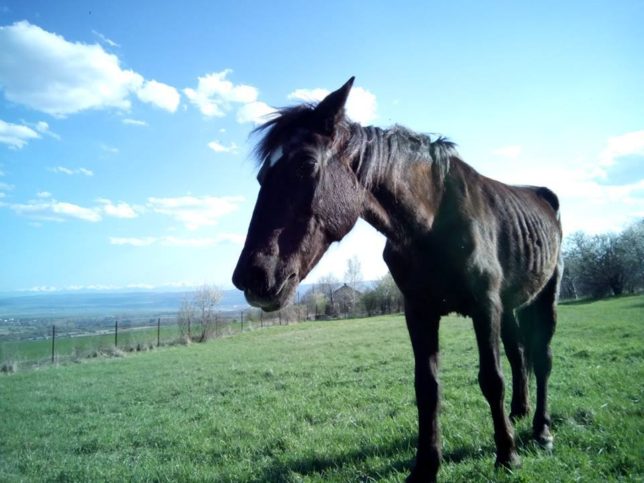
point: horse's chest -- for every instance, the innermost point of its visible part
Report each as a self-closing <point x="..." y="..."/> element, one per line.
<point x="438" y="275"/>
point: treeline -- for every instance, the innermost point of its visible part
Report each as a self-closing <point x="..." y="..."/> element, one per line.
<point x="602" y="265"/>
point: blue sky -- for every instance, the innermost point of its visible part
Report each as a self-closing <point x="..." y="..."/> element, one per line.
<point x="125" y="157"/>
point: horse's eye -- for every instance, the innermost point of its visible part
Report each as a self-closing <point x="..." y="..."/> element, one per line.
<point x="306" y="168"/>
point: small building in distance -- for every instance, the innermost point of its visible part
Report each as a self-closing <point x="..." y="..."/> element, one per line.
<point x="346" y="299"/>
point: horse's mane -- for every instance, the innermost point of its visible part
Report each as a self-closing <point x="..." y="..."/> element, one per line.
<point x="375" y="152"/>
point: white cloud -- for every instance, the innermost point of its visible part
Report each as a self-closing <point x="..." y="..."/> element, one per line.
<point x="133" y="241"/>
<point x="309" y="95"/>
<point x="361" y="104"/>
<point x="134" y="122"/>
<point x="44" y="71"/>
<point x="48" y="73"/>
<point x="119" y="210"/>
<point x="184" y="284"/>
<point x="161" y="95"/>
<point x="193" y="211"/>
<point x="15" y="135"/>
<point x="216" y="96"/>
<point x="631" y="143"/>
<point x="71" y="171"/>
<point x="510" y="152"/>
<point x="172" y="241"/>
<point x="105" y="40"/>
<point x="254" y="112"/>
<point x="109" y="149"/>
<point x="46" y="208"/>
<point x="590" y="201"/>
<point x="218" y="147"/>
<point x="43" y="128"/>
<point x="53" y="210"/>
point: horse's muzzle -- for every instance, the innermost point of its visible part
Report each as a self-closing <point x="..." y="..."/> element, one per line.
<point x="263" y="287"/>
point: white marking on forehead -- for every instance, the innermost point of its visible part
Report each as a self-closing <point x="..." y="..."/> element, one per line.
<point x="276" y="155"/>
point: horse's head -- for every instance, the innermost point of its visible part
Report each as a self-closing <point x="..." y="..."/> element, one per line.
<point x="309" y="197"/>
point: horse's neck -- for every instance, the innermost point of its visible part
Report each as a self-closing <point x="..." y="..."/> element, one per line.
<point x="404" y="208"/>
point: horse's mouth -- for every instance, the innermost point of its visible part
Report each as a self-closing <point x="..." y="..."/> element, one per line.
<point x="274" y="299"/>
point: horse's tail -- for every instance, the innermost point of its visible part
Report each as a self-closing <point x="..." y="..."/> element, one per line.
<point x="549" y="196"/>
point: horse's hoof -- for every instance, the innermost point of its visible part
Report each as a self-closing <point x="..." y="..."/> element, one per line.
<point x="418" y="476"/>
<point x="510" y="462"/>
<point x="545" y="440"/>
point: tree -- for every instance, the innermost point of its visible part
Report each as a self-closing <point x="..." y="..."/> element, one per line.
<point x="605" y="264"/>
<point x="185" y="317"/>
<point x="384" y="297"/>
<point x="197" y="316"/>
<point x="632" y="248"/>
<point x="327" y="285"/>
<point x="353" y="273"/>
<point x="315" y="300"/>
<point x="352" y="276"/>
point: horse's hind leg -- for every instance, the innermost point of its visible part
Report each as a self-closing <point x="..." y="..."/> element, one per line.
<point x="515" y="352"/>
<point x="538" y="321"/>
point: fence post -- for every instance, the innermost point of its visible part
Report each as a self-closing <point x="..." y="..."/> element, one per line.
<point x="159" y="332"/>
<point x="53" y="343"/>
<point x="116" y="333"/>
<point x="261" y="318"/>
<point x="242" y="320"/>
<point x="279" y="312"/>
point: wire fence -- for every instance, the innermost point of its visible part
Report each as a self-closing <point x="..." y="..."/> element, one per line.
<point x="72" y="340"/>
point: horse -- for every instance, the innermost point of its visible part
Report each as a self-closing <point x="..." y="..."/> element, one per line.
<point x="457" y="241"/>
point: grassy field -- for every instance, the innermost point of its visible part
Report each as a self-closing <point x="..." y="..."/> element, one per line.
<point x="324" y="401"/>
<point x="30" y="353"/>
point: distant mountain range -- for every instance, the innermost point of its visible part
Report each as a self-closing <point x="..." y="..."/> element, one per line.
<point x="104" y="303"/>
<point x="114" y="303"/>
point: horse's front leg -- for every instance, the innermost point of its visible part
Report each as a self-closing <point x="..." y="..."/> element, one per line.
<point x="423" y="330"/>
<point x="487" y="324"/>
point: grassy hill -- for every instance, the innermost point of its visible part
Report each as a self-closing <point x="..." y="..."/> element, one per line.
<point x="324" y="401"/>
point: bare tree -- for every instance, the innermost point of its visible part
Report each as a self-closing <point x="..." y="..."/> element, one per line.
<point x="197" y="314"/>
<point x="186" y="317"/>
<point x="327" y="285"/>
<point x="314" y="300"/>
<point x="352" y="276"/>
<point x="353" y="273"/>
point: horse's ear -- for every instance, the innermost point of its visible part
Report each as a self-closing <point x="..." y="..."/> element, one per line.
<point x="330" y="110"/>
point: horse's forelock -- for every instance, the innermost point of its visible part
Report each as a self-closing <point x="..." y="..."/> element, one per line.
<point x="278" y="130"/>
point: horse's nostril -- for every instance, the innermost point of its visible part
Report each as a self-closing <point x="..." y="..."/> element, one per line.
<point x="257" y="279"/>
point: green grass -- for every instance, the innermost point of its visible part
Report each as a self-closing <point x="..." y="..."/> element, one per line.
<point x="325" y="401"/>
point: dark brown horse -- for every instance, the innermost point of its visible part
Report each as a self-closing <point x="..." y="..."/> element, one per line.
<point x="456" y="242"/>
